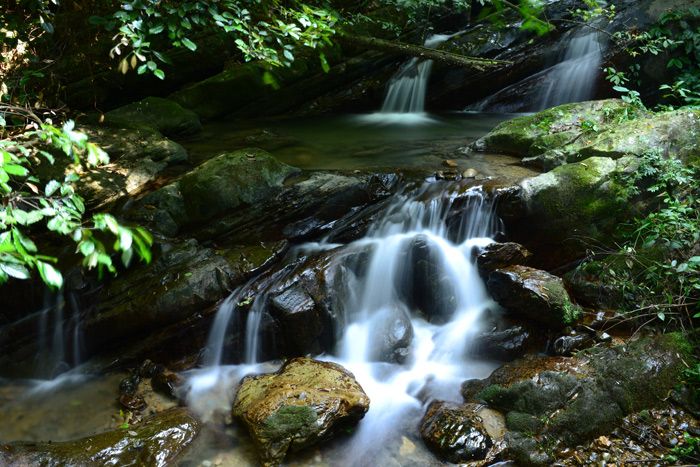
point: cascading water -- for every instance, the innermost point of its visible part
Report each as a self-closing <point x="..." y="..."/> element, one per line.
<point x="571" y="79"/>
<point x="60" y="336"/>
<point x="405" y="97"/>
<point x="434" y="311"/>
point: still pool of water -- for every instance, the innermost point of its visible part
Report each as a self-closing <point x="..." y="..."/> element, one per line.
<point x="371" y="141"/>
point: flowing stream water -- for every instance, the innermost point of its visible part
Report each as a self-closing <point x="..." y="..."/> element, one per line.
<point x="572" y="78"/>
<point x="380" y="304"/>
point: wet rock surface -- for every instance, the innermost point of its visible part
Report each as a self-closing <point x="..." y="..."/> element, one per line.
<point x="572" y="400"/>
<point x="533" y="294"/>
<point x="455" y="433"/>
<point x="500" y="255"/>
<point x="161" y="114"/>
<point x="305" y="402"/>
<point x="502" y="344"/>
<point x="158" y="441"/>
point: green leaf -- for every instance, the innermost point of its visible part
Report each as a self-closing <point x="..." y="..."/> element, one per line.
<point x="14" y="169"/>
<point x="189" y="44"/>
<point x="324" y="62"/>
<point x="51" y="187"/>
<point x="17" y="271"/>
<point x="50" y="275"/>
<point x="159" y="73"/>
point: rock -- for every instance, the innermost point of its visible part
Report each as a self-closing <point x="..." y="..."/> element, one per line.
<point x="533" y="294"/>
<point x="566" y="345"/>
<point x="505" y="344"/>
<point x="163" y="115"/>
<point x="305" y="402"/>
<point x="167" y="382"/>
<point x="551" y="213"/>
<point x="298" y="316"/>
<point x="230" y="180"/>
<point x="589" y="290"/>
<point x="500" y="255"/>
<point x="608" y="128"/>
<point x="221" y="94"/>
<point x="393" y="331"/>
<point x="451" y="163"/>
<point x="587" y="396"/>
<point x="227" y="182"/>
<point x="156" y="441"/>
<point x="470" y="173"/>
<point x="455" y="432"/>
<point x="554" y="128"/>
<point x="525" y="450"/>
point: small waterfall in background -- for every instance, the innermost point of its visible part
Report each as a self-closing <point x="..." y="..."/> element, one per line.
<point x="60" y="345"/>
<point x="572" y="79"/>
<point x="404" y="101"/>
<point x="420" y="285"/>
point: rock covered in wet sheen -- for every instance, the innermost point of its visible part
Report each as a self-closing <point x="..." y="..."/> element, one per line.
<point x="455" y="432"/>
<point x="500" y="255"/>
<point x="305" y="402"/>
<point x="157" y="441"/>
<point x="533" y="294"/>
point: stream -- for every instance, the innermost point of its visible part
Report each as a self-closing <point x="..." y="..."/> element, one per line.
<point x="428" y="357"/>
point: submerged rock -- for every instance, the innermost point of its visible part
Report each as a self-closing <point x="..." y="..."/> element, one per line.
<point x="157" y="441"/>
<point x="164" y="115"/>
<point x="533" y="294"/>
<point x="455" y="433"/>
<point x="305" y="402"/>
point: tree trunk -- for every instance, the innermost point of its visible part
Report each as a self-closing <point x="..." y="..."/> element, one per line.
<point x="410" y="50"/>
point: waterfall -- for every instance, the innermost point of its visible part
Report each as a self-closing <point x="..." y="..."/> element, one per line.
<point x="428" y="235"/>
<point x="404" y="101"/>
<point x="60" y="336"/>
<point x="573" y="79"/>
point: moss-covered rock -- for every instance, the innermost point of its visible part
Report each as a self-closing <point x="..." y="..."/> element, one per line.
<point x="533" y="294"/>
<point x="572" y="400"/>
<point x="610" y="128"/>
<point x="163" y="115"/>
<point x="564" y="125"/>
<point x="305" y="402"/>
<point x="157" y="441"/>
<point x="231" y="180"/>
<point x="556" y="213"/>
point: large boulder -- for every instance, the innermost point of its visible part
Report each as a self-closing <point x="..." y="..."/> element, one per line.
<point x="534" y="295"/>
<point x="607" y="128"/>
<point x="566" y="401"/>
<point x="556" y="214"/>
<point x="226" y="182"/>
<point x="456" y="433"/>
<point x="305" y="402"/>
<point x="157" y="441"/>
<point x="163" y="115"/>
<point x="564" y="125"/>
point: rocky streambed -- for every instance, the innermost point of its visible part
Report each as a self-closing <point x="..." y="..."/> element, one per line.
<point x="482" y="256"/>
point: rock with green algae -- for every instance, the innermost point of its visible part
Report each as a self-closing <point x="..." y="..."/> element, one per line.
<point x="228" y="181"/>
<point x="553" y="128"/>
<point x="157" y="441"/>
<point x="534" y="295"/>
<point x="572" y="400"/>
<point x="164" y="115"/>
<point x="556" y="211"/>
<point x="608" y="128"/>
<point x="305" y="402"/>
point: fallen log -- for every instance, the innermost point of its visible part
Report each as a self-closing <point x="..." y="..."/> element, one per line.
<point x="419" y="51"/>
